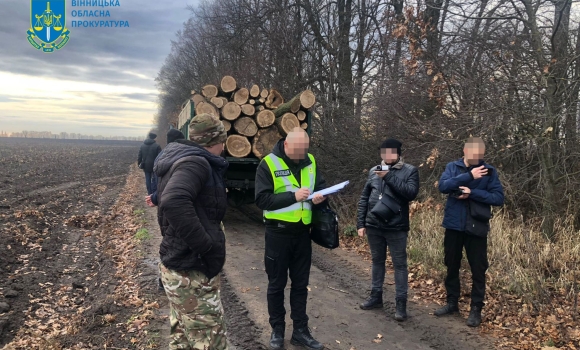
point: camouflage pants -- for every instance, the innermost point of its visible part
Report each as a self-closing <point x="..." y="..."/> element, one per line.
<point x="196" y="317"/>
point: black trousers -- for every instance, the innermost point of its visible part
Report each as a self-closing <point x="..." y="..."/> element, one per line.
<point x="288" y="253"/>
<point x="476" y="251"/>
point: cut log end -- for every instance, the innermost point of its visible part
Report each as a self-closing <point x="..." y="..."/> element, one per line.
<point x="304" y="126"/>
<point x="301" y="115"/>
<point x="265" y="140"/>
<point x="286" y="123"/>
<point x="218" y="102"/>
<point x="246" y="126"/>
<point x="255" y="91"/>
<point x="206" y="107"/>
<point x="197" y="99"/>
<point x="231" y="111"/>
<point x="227" y="125"/>
<point x="307" y="99"/>
<point x="274" y="99"/>
<point x="228" y="84"/>
<point x="248" y="109"/>
<point x="209" y="91"/>
<point x="241" y="96"/>
<point x="264" y="94"/>
<point x="265" y="118"/>
<point x="238" y="146"/>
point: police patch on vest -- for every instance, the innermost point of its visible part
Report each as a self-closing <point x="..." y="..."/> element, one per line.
<point x="279" y="173"/>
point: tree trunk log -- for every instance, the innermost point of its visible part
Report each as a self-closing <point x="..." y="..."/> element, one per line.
<point x="228" y="84"/>
<point x="246" y="126"/>
<point x="301" y="115"/>
<point x="255" y="91"/>
<point x="260" y="108"/>
<point x="291" y="106"/>
<point x="248" y="109"/>
<point x="218" y="102"/>
<point x="252" y="101"/>
<point x="265" y="118"/>
<point x="231" y="111"/>
<point x="225" y="100"/>
<point x="304" y="126"/>
<point x="307" y="99"/>
<point x="197" y="99"/>
<point x="286" y="123"/>
<point x="209" y="91"/>
<point x="265" y="141"/>
<point x="238" y="146"/>
<point x="206" y="107"/>
<point x="274" y="99"/>
<point x="227" y="125"/>
<point x="264" y="94"/>
<point x="241" y="96"/>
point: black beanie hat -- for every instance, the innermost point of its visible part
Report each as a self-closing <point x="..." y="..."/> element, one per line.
<point x="174" y="134"/>
<point x="392" y="143"/>
<point x="152" y="136"/>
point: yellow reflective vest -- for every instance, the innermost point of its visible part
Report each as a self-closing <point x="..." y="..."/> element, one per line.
<point x="284" y="181"/>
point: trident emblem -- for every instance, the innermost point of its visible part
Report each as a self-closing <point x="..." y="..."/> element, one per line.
<point x="45" y="20"/>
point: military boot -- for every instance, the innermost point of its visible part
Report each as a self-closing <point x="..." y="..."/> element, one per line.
<point x="450" y="308"/>
<point x="375" y="301"/>
<point x="474" y="318"/>
<point x="277" y="338"/>
<point x="401" y="313"/>
<point x="302" y="337"/>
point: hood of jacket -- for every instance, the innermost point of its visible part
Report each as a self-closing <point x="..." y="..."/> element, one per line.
<point x="185" y="148"/>
<point x="149" y="141"/>
<point x="279" y="151"/>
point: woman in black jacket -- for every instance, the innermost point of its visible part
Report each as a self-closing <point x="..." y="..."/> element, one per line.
<point x="396" y="186"/>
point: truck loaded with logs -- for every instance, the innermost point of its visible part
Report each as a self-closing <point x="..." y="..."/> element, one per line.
<point x="255" y="119"/>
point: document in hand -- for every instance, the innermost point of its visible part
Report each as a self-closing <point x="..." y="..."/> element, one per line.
<point x="329" y="190"/>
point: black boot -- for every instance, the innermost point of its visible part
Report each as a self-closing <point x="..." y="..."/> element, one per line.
<point x="160" y="287"/>
<point x="450" y="308"/>
<point x="302" y="337"/>
<point x="375" y="301"/>
<point x="277" y="338"/>
<point x="401" y="314"/>
<point x="474" y="318"/>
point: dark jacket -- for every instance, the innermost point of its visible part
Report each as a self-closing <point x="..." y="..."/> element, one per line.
<point x="192" y="204"/>
<point x="154" y="180"/>
<point x="486" y="190"/>
<point x="147" y="154"/>
<point x="267" y="200"/>
<point x="402" y="184"/>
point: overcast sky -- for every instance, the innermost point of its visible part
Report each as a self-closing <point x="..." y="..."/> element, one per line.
<point x="101" y="82"/>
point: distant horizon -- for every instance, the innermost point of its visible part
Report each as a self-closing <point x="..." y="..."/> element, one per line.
<point x="30" y="134"/>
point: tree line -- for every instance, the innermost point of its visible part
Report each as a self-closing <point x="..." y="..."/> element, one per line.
<point x="430" y="73"/>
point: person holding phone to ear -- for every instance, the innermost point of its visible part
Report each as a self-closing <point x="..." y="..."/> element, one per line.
<point x="472" y="185"/>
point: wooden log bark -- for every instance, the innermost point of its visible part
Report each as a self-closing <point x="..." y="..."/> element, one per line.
<point x="304" y="126"/>
<point x="241" y="96"/>
<point x="227" y="125"/>
<point x="265" y="118"/>
<point x="301" y="115"/>
<point x="206" y="107"/>
<point x="286" y="123"/>
<point x="255" y="91"/>
<point x="246" y="126"/>
<point x="248" y="109"/>
<point x="291" y="106"/>
<point x="264" y="93"/>
<point x="231" y="111"/>
<point x="265" y="140"/>
<point x="238" y="146"/>
<point x="197" y="98"/>
<point x="274" y="99"/>
<point x="218" y="102"/>
<point x="307" y="99"/>
<point x="228" y="84"/>
<point x="209" y="91"/>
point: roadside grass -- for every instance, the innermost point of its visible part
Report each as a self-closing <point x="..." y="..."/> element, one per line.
<point x="142" y="235"/>
<point x="532" y="282"/>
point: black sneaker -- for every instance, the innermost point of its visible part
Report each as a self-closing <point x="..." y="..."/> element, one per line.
<point x="302" y="337"/>
<point x="450" y="308"/>
<point x="374" y="301"/>
<point x="474" y="318"/>
<point x="277" y="338"/>
<point x="401" y="313"/>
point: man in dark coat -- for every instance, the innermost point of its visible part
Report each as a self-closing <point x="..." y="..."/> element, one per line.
<point x="467" y="180"/>
<point x="192" y="203"/>
<point x="284" y="180"/>
<point x="147" y="154"/>
<point x="399" y="184"/>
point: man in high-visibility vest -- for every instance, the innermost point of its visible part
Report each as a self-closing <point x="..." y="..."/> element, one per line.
<point x="284" y="180"/>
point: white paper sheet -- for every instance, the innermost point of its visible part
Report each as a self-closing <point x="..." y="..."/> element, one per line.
<point x="330" y="190"/>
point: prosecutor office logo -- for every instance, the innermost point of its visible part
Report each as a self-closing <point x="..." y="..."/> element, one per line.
<point x="48" y="25"/>
<point x="279" y="173"/>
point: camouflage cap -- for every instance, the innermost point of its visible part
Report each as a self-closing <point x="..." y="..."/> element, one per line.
<point x="207" y="130"/>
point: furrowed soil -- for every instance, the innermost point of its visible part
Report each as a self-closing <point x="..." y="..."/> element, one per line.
<point x="79" y="253"/>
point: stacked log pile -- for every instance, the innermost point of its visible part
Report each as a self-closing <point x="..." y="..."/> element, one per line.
<point x="255" y="118"/>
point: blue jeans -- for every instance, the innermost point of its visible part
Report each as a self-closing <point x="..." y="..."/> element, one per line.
<point x="397" y="242"/>
<point x="148" y="181"/>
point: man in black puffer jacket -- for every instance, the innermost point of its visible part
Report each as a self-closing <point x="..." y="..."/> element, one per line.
<point x="146" y="158"/>
<point x="192" y="203"/>
<point x="399" y="184"/>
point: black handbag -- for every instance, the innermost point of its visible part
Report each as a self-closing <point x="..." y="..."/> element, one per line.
<point x="324" y="231"/>
<point x="386" y="208"/>
<point x="478" y="216"/>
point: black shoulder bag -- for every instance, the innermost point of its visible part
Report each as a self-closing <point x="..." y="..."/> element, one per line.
<point x="478" y="216"/>
<point x="387" y="207"/>
<point x="324" y="231"/>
